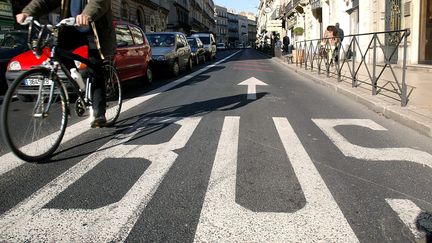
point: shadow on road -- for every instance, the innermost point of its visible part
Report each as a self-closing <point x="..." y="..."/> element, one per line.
<point x="199" y="108"/>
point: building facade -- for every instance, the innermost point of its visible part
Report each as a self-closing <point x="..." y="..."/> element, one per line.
<point x="252" y="32"/>
<point x="308" y="19"/>
<point x="243" y="29"/>
<point x="6" y="15"/>
<point x="196" y="15"/>
<point x="209" y="16"/>
<point x="149" y="15"/>
<point x="233" y="29"/>
<point x="221" y="24"/>
<point x="178" y="17"/>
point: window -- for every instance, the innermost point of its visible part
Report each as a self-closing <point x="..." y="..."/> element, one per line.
<point x="137" y="35"/>
<point x="124" y="10"/>
<point x="161" y="40"/>
<point x="140" y="17"/>
<point x="123" y="35"/>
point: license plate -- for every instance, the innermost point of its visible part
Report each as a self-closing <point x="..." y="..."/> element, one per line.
<point x="36" y="82"/>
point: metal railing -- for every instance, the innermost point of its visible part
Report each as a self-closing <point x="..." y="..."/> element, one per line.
<point x="373" y="53"/>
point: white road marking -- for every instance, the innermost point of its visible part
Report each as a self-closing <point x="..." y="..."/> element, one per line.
<point x="9" y="162"/>
<point x="370" y="154"/>
<point x="30" y="221"/>
<point x="223" y="220"/>
<point x="408" y="213"/>
<point x="252" y="83"/>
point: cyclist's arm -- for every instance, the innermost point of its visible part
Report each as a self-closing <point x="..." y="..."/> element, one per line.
<point x="38" y="8"/>
<point x="97" y="8"/>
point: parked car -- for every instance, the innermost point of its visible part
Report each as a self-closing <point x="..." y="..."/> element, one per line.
<point x="12" y="43"/>
<point x="170" y="50"/>
<point x="209" y="43"/>
<point x="221" y="46"/>
<point x="132" y="60"/>
<point x="197" y="49"/>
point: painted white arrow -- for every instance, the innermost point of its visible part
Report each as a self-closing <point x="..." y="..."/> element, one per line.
<point x="252" y="83"/>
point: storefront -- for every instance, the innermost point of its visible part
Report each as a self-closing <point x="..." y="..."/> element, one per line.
<point x="425" y="48"/>
<point x="6" y="15"/>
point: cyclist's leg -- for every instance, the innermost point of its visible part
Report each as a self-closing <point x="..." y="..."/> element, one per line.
<point x="98" y="85"/>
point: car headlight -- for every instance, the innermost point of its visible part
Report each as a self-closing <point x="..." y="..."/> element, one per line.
<point x="14" y="66"/>
<point x="160" y="58"/>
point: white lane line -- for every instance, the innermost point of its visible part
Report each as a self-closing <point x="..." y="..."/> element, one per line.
<point x="408" y="213"/>
<point x="9" y="162"/>
<point x="30" y="221"/>
<point x="369" y="154"/>
<point x="223" y="220"/>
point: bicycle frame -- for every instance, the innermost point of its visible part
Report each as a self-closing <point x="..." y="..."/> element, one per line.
<point x="54" y="63"/>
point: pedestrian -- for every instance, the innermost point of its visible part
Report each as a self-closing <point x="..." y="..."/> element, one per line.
<point x="94" y="29"/>
<point x="340" y="35"/>
<point x="328" y="43"/>
<point x="286" y="44"/>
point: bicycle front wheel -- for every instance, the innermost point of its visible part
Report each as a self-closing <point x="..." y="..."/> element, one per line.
<point x="113" y="94"/>
<point x="34" y="115"/>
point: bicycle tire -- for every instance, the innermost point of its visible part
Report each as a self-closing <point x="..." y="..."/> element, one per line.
<point x="35" y="139"/>
<point x="113" y="94"/>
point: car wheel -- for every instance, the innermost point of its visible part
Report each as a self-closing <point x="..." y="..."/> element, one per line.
<point x="190" y="65"/>
<point x="204" y="59"/>
<point x="149" y="75"/>
<point x="175" y="69"/>
<point x="197" y="60"/>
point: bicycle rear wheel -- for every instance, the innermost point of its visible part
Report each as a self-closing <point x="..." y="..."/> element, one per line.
<point x="34" y="127"/>
<point x="113" y="94"/>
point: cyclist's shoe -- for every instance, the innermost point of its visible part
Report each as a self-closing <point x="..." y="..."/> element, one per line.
<point x="98" y="122"/>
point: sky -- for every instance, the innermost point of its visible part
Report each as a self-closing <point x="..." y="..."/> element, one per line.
<point x="239" y="5"/>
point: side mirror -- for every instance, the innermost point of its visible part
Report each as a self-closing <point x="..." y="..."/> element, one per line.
<point x="122" y="44"/>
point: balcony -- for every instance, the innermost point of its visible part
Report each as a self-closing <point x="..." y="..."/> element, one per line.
<point x="315" y="4"/>
<point x="297" y="5"/>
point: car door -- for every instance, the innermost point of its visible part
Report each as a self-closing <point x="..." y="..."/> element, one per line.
<point x="180" y="50"/>
<point x="186" y="50"/>
<point x="142" y="49"/>
<point x="123" y="60"/>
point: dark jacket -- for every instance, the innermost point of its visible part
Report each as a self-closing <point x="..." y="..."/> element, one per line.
<point x="99" y="11"/>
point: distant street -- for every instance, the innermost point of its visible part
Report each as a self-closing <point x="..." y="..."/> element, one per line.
<point x="241" y="149"/>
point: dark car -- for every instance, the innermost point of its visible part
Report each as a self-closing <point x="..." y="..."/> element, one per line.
<point x="171" y="51"/>
<point x="198" y="51"/>
<point x="132" y="60"/>
<point x="12" y="43"/>
<point x="209" y="42"/>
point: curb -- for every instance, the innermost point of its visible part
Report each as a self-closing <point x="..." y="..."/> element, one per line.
<point x="402" y="115"/>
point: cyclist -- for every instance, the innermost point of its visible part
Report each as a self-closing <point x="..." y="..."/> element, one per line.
<point x="93" y="28"/>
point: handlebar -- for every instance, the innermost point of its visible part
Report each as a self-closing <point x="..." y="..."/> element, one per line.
<point x="64" y="22"/>
<point x="40" y="35"/>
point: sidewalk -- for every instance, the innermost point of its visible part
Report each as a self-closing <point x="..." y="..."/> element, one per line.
<point x="416" y="115"/>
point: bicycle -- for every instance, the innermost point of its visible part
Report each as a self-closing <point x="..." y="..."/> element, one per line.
<point x="41" y="96"/>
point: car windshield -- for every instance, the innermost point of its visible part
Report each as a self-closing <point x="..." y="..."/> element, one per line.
<point x="205" y="40"/>
<point x="12" y="40"/>
<point x="161" y="40"/>
<point x="192" y="42"/>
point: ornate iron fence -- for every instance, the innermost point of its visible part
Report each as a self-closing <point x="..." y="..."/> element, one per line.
<point x="368" y="54"/>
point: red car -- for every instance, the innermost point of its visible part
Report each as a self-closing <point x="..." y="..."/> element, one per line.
<point x="132" y="60"/>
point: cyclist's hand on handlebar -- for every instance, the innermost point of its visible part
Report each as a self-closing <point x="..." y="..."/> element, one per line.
<point x="20" y="18"/>
<point x="82" y="20"/>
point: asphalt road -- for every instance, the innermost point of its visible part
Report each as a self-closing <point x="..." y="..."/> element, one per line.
<point x="239" y="150"/>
